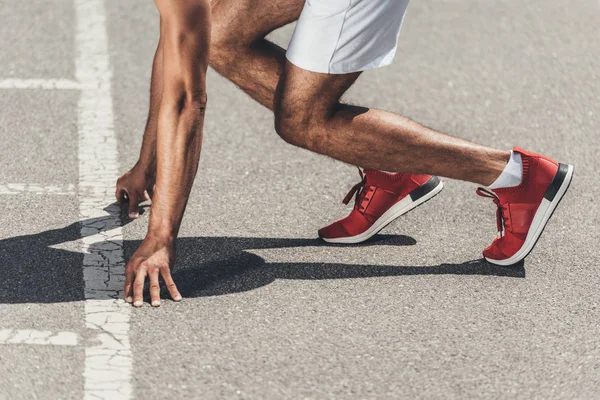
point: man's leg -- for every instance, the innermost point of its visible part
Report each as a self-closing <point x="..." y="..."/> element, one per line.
<point x="385" y="140"/>
<point x="373" y="138"/>
<point x="241" y="53"/>
<point x="239" y="50"/>
<point x="308" y="113"/>
<point x="360" y="136"/>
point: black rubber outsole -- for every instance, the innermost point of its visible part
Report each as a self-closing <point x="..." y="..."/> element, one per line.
<point x="431" y="184"/>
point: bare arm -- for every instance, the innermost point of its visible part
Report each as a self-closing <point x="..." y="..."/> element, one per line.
<point x="186" y="41"/>
<point x="137" y="184"/>
<point x="147" y="160"/>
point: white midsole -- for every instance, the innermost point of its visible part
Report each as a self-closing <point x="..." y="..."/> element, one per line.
<point x="542" y="215"/>
<point x="398" y="209"/>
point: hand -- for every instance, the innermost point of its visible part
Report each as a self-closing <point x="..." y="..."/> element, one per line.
<point x="135" y="187"/>
<point x="154" y="256"/>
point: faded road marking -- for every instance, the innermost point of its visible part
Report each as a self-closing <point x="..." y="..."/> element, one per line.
<point x="29" y="336"/>
<point x="32" y="188"/>
<point x="53" y="84"/>
<point x="108" y="364"/>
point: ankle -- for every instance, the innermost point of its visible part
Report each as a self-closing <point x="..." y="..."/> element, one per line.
<point x="494" y="167"/>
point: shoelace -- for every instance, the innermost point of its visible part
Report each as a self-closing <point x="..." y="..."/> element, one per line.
<point x="357" y="189"/>
<point x="500" y="218"/>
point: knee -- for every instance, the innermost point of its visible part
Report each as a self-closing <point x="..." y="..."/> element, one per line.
<point x="226" y="39"/>
<point x="230" y="33"/>
<point x="289" y="127"/>
<point x="221" y="42"/>
<point x="296" y="125"/>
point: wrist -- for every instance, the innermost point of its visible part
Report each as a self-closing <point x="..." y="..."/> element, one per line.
<point x="162" y="230"/>
<point x="161" y="235"/>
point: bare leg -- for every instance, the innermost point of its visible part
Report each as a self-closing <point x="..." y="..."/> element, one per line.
<point x="357" y="135"/>
<point x="239" y="50"/>
<point x="373" y="138"/>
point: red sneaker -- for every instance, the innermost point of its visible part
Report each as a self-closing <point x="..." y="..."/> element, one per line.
<point x="524" y="210"/>
<point x="380" y="199"/>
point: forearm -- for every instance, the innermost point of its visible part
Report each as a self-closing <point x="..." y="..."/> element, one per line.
<point x="186" y="44"/>
<point x="179" y="144"/>
<point x="147" y="159"/>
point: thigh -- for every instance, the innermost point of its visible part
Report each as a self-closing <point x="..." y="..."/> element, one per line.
<point x="245" y="21"/>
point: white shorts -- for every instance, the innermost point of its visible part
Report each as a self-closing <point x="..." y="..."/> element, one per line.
<point x="344" y="36"/>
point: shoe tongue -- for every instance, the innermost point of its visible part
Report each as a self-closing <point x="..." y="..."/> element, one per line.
<point x="503" y="193"/>
<point x="380" y="178"/>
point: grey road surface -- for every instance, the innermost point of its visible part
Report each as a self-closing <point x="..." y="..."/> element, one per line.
<point x="269" y="311"/>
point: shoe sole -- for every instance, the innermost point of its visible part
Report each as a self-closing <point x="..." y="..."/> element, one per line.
<point x="414" y="199"/>
<point x="551" y="199"/>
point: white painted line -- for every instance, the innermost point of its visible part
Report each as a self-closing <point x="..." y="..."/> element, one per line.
<point x="32" y="188"/>
<point x="108" y="364"/>
<point x="52" y="84"/>
<point x="29" y="336"/>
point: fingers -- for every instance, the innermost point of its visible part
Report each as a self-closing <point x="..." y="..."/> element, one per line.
<point x="166" y="275"/>
<point x="138" y="287"/>
<point x="134" y="285"/>
<point x="131" y="198"/>
<point x="154" y="287"/>
<point x="129" y="277"/>
<point x="121" y="195"/>
<point x="134" y="211"/>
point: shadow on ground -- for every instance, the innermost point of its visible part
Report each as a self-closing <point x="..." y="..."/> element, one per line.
<point x="35" y="271"/>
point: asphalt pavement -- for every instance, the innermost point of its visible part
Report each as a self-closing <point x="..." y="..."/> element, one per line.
<point x="269" y="311"/>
